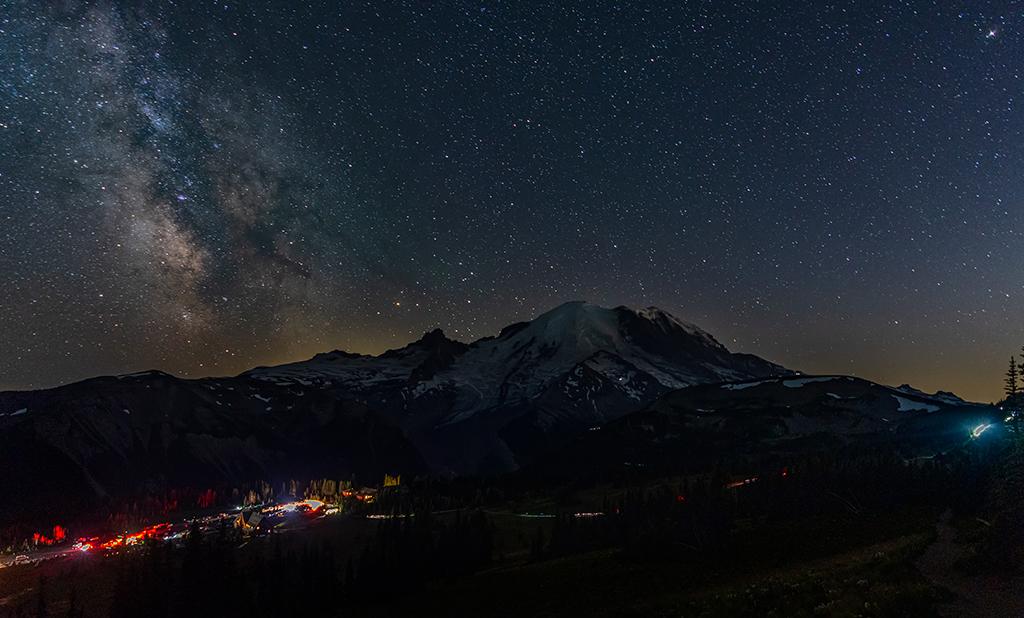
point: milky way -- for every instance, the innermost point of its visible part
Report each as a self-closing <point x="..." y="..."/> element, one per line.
<point x="206" y="186"/>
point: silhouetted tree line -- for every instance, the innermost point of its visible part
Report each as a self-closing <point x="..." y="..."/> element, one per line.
<point x="1001" y="546"/>
<point x="430" y="494"/>
<point x="817" y="504"/>
<point x="820" y="504"/>
<point x="207" y="578"/>
<point x="120" y="513"/>
<point x="410" y="550"/>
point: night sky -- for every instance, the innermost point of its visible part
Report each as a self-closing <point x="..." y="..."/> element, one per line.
<point x="202" y="187"/>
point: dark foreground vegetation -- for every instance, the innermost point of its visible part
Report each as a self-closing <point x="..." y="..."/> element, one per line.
<point x="826" y="534"/>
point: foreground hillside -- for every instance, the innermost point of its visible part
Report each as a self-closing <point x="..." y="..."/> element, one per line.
<point x="836" y="533"/>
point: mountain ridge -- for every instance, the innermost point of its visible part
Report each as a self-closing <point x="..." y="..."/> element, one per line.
<point x="433" y="406"/>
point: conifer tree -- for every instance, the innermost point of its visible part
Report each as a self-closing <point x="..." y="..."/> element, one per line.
<point x="1020" y="372"/>
<point x="1012" y="379"/>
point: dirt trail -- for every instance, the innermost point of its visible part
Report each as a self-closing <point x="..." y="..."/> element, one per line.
<point x="976" y="595"/>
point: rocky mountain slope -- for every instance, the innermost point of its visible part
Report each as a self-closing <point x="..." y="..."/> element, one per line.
<point x="694" y="427"/>
<point x="118" y="436"/>
<point x="486" y="406"/>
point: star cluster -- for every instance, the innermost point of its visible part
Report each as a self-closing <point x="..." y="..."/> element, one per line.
<point x="206" y="186"/>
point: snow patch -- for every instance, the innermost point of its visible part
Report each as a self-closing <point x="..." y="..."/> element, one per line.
<point x="653" y="314"/>
<point x="908" y="405"/>
<point x="743" y="385"/>
<point x="802" y="381"/>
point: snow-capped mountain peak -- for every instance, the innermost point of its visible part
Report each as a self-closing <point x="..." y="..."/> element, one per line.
<point x="570" y="332"/>
<point x="520" y="364"/>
